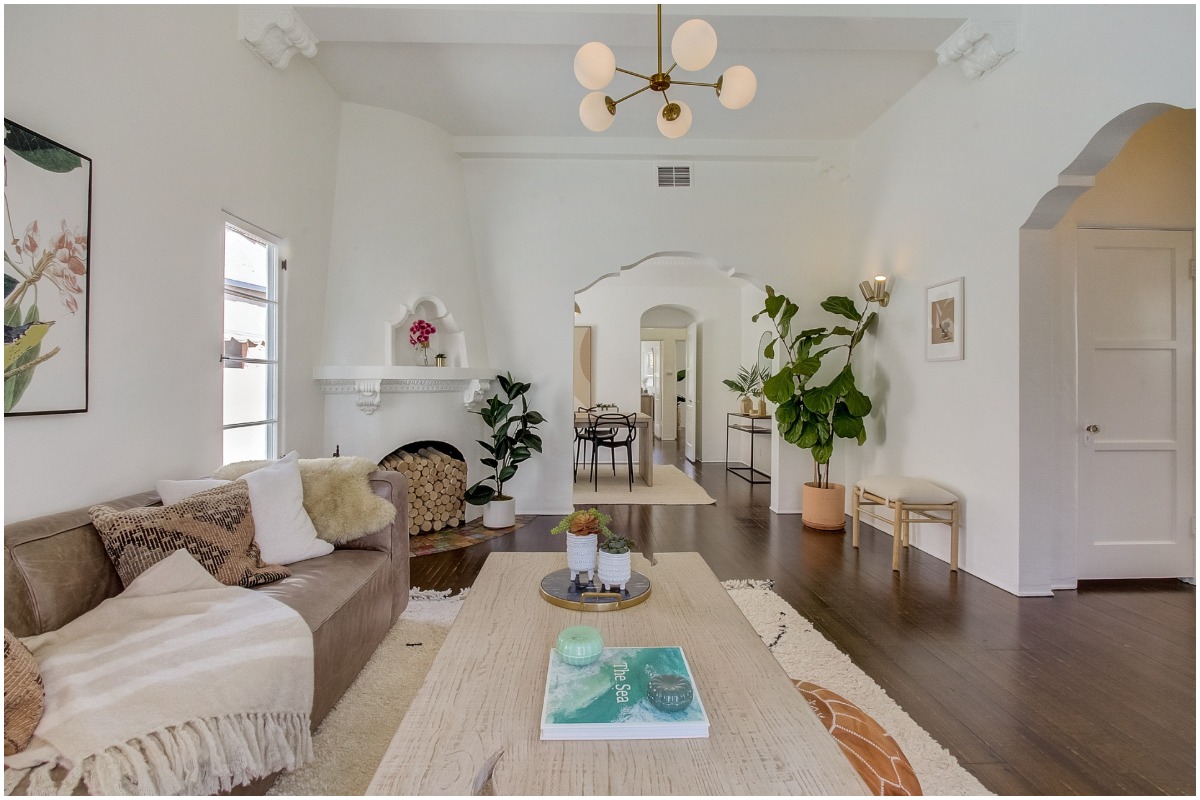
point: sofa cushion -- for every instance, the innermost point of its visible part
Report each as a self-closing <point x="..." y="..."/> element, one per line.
<point x="214" y="526"/>
<point x="346" y="599"/>
<point x="24" y="694"/>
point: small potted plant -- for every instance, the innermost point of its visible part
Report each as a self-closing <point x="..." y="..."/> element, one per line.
<point x="613" y="566"/>
<point x="748" y="385"/>
<point x="440" y="359"/>
<point x="583" y="529"/>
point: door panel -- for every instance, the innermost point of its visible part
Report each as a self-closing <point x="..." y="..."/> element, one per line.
<point x="1136" y="366"/>
<point x="690" y="428"/>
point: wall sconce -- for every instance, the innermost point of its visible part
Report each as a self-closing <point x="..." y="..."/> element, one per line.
<point x="876" y="291"/>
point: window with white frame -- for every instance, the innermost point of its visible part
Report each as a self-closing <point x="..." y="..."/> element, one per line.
<point x="250" y="355"/>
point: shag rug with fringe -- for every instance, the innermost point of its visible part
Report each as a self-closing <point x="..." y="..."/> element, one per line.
<point x="352" y="740"/>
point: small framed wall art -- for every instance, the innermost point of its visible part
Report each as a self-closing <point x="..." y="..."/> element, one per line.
<point x="944" y="321"/>
<point x="47" y="273"/>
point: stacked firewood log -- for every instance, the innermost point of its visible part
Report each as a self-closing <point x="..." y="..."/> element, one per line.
<point x="436" y="483"/>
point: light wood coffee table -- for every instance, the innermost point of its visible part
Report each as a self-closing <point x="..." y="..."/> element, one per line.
<point x="478" y="714"/>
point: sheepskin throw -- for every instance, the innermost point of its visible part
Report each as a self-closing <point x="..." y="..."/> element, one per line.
<point x="337" y="495"/>
<point x="178" y="685"/>
<point x="215" y="526"/>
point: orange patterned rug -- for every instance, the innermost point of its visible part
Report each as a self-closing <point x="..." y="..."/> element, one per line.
<point x="473" y="532"/>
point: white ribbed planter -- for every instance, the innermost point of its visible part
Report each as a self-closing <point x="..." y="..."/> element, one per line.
<point x="581" y="554"/>
<point x="500" y="513"/>
<point x="613" y="569"/>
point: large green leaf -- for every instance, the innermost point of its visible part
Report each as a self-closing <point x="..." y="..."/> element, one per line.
<point x="857" y="403"/>
<point x="534" y="418"/>
<point x="787" y="412"/>
<point x="819" y="399"/>
<point x="38" y="151"/>
<point x="506" y="473"/>
<point x="790" y="310"/>
<point x="532" y="441"/>
<point x="822" y="452"/>
<point x="12" y="316"/>
<point x="808" y="366"/>
<point x="479" y="495"/>
<point x="846" y="425"/>
<point x="841" y="306"/>
<point x="780" y="386"/>
<point x="10" y="283"/>
<point x="14" y="387"/>
<point x="843" y="383"/>
<point x="808" y="437"/>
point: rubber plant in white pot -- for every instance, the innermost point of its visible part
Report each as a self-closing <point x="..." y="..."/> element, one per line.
<point x="810" y="415"/>
<point x="513" y="441"/>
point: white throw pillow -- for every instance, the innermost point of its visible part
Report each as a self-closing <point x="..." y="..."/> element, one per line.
<point x="282" y="528"/>
<point x="172" y="492"/>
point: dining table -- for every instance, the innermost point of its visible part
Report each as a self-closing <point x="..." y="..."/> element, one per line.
<point x="645" y="440"/>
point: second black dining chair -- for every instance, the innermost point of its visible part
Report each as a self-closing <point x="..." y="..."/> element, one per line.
<point x="590" y="434"/>
<point x="624" y="434"/>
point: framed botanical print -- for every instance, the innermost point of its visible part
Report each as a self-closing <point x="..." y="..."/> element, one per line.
<point x="944" y="321"/>
<point x="47" y="274"/>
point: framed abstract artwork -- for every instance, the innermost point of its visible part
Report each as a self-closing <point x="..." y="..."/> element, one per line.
<point x="47" y="274"/>
<point x="944" y="321"/>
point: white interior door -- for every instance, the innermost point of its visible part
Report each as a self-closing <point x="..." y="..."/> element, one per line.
<point x="690" y="433"/>
<point x="1136" y="404"/>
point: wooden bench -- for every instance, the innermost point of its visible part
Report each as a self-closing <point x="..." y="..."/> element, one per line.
<point x="911" y="501"/>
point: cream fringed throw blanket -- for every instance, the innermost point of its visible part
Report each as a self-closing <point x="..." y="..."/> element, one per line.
<point x="179" y="685"/>
<point x="337" y="495"/>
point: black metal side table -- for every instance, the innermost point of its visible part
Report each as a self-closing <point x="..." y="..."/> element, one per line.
<point x="746" y="473"/>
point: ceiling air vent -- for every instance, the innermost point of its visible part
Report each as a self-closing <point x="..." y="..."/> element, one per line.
<point x="677" y="177"/>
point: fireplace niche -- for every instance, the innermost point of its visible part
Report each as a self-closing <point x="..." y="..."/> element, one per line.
<point x="437" y="481"/>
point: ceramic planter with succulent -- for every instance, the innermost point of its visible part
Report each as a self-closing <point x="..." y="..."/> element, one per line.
<point x="813" y="415"/>
<point x="613" y="566"/>
<point x="513" y="441"/>
<point x="583" y="529"/>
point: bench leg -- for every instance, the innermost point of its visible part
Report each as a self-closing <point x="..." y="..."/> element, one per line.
<point x="854" y="516"/>
<point x="897" y="535"/>
<point x="954" y="538"/>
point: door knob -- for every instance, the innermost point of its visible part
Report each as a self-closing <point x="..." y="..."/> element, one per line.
<point x="1092" y="429"/>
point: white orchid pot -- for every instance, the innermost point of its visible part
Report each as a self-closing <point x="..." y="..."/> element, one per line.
<point x="581" y="554"/>
<point x="500" y="513"/>
<point x="613" y="570"/>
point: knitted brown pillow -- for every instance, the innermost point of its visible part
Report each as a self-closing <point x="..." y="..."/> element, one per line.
<point x="215" y="526"/>
<point x="868" y="747"/>
<point x="24" y="694"/>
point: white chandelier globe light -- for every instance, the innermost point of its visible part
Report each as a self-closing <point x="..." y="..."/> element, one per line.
<point x="694" y="45"/>
<point x="738" y="86"/>
<point x="594" y="114"/>
<point x="595" y="65"/>
<point x="677" y="127"/>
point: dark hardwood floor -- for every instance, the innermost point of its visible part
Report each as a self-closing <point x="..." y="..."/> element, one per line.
<point x="1088" y="692"/>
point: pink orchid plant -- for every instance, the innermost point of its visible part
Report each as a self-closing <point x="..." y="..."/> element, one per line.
<point x="419" y="333"/>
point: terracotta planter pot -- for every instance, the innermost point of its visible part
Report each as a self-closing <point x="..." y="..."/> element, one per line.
<point x="824" y="509"/>
<point x="500" y="514"/>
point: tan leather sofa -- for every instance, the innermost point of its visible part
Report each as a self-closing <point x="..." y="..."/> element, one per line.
<point x="55" y="569"/>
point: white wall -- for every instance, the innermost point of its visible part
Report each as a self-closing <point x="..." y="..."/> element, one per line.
<point x="181" y="121"/>
<point x="942" y="184"/>
<point x="400" y="233"/>
<point x="546" y="228"/>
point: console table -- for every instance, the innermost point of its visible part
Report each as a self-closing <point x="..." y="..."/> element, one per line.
<point x="746" y="423"/>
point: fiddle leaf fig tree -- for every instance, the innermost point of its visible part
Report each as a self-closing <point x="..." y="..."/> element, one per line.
<point x="811" y="415"/>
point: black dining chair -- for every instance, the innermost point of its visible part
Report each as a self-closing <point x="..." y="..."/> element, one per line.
<point x="624" y="434"/>
<point x="584" y="436"/>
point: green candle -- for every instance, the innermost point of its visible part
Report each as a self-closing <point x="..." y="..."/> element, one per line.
<point x="579" y="645"/>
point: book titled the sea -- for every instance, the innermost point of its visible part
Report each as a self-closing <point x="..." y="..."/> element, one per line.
<point x="607" y="698"/>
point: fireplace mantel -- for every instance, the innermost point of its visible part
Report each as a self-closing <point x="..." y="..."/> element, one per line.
<point x="370" y="383"/>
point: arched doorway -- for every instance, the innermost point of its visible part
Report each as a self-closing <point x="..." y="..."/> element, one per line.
<point x="1106" y="343"/>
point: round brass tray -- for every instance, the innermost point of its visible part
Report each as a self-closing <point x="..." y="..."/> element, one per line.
<point x="558" y="588"/>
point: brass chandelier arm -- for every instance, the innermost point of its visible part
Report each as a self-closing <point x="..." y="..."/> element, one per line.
<point x="634" y="74"/>
<point x="631" y="94"/>
<point x="691" y="83"/>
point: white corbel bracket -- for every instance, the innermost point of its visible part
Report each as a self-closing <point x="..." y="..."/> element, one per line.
<point x="368" y="396"/>
<point x="275" y="34"/>
<point x="979" y="48"/>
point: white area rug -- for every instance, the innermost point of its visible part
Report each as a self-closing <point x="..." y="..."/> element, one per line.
<point x="671" y="488"/>
<point x="352" y="740"/>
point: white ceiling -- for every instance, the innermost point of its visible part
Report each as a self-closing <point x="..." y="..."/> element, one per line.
<point x="824" y="72"/>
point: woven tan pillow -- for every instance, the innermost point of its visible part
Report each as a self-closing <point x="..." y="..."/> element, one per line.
<point x="24" y="695"/>
<point x="215" y="526"/>
<point x="872" y="752"/>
